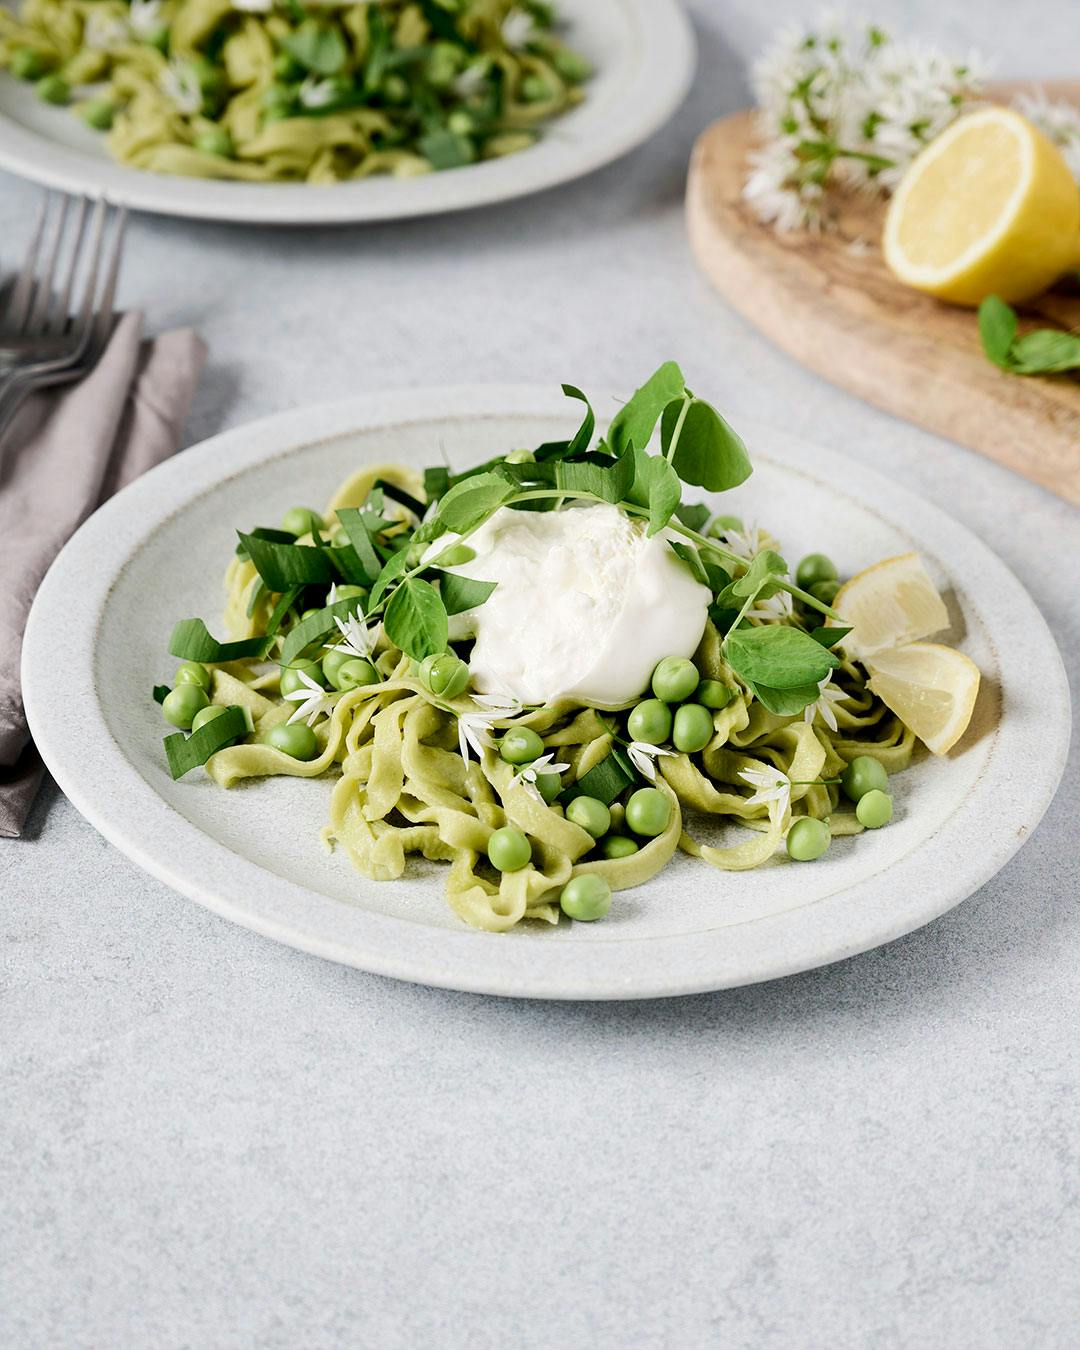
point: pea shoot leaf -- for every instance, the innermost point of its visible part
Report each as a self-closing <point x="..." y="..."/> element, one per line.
<point x="689" y="554"/>
<point x="416" y="619"/>
<point x="785" y="702"/>
<point x="393" y="568"/>
<point x="609" y="479"/>
<point x="778" y="657"/>
<point x="284" y="565"/>
<point x="762" y="577"/>
<point x="317" y="46"/>
<point x="191" y="641"/>
<point x="473" y="500"/>
<point x="655" y="485"/>
<point x="694" y="515"/>
<point x="829" y="637"/>
<point x="707" y="453"/>
<point x="1045" y="352"/>
<point x="461" y="593"/>
<point x="317" y="626"/>
<point x="185" y="753"/>
<point x="634" y="423"/>
<point x="997" y="328"/>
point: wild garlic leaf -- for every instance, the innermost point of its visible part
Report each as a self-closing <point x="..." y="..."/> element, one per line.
<point x="185" y="753"/>
<point x="762" y="577"/>
<point x="997" y="328"/>
<point x="191" y="641"/>
<point x="461" y="593"/>
<point x="785" y="702"/>
<point x="286" y="600"/>
<point x="317" y="46"/>
<point x="708" y="453"/>
<point x="261" y="532"/>
<point x="415" y="619"/>
<point x="1047" y="351"/>
<point x="356" y="531"/>
<point x="397" y="494"/>
<point x="634" y="423"/>
<point x="284" y="565"/>
<point x="689" y="554"/>
<point x="436" y="482"/>
<point x="317" y="626"/>
<point x="606" y="780"/>
<point x="473" y="500"/>
<point x="778" y="657"/>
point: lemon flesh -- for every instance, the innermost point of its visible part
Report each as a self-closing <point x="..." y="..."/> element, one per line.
<point x="988" y="208"/>
<point x="931" y="688"/>
<point x="888" y="604"/>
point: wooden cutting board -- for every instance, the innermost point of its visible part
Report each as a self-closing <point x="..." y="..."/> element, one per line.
<point x="830" y="302"/>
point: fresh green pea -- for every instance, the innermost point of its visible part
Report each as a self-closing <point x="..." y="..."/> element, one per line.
<point x="53" y="89"/>
<point x="874" y="809"/>
<point x="725" y="525"/>
<point x="549" y="785"/>
<point x="675" y="679"/>
<point x="290" y="676"/>
<point x="297" y="740"/>
<point x="808" y="839"/>
<point x="445" y="674"/>
<point x="182" y="704"/>
<point x="650" y="722"/>
<point x="693" y="728"/>
<point x="307" y="613"/>
<point x="27" y="63"/>
<point x="301" y="520"/>
<point x="207" y="714"/>
<point x="825" y="591"/>
<point x="356" y="673"/>
<point x="191" y="672"/>
<point x="508" y="849"/>
<point x="351" y="593"/>
<point x="521" y="457"/>
<point x="572" y="66"/>
<point x="864" y="774"/>
<point x="455" y="555"/>
<point x="521" y="745"/>
<point x="713" y="694"/>
<point x="648" y="812"/>
<point x="215" y="141"/>
<point x="444" y="64"/>
<point x="813" y="568"/>
<point x="535" y="89"/>
<point x="586" y="897"/>
<point x="395" y="89"/>
<point x="332" y="663"/>
<point x="98" y="113"/>
<point x="617" y="846"/>
<point x="461" y="122"/>
<point x="591" y="814"/>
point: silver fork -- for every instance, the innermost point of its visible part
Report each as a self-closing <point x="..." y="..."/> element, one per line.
<point x="39" y="315"/>
<point x="34" y="319"/>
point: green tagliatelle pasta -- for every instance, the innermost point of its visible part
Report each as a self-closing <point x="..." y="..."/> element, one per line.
<point x="283" y="90"/>
<point x="401" y="787"/>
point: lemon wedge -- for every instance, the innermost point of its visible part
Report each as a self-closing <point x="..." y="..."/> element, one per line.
<point x="931" y="688"/>
<point x="888" y="604"/>
<point x="988" y="208"/>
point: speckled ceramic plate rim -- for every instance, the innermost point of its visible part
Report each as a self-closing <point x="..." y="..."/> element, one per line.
<point x="985" y="829"/>
<point x="643" y="93"/>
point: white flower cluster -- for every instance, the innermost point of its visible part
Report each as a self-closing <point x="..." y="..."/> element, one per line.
<point x="1060" y="122"/>
<point x="843" y="109"/>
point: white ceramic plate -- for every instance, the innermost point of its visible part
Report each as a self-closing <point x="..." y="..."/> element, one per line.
<point x="643" y="51"/>
<point x="96" y="643"/>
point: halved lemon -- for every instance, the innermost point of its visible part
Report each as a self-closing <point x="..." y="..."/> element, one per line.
<point x="932" y="689"/>
<point x="988" y="208"/>
<point x="887" y="604"/>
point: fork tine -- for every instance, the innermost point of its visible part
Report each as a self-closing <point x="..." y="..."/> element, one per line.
<point x="86" y="310"/>
<point x="23" y="291"/>
<point x="103" y="322"/>
<point x="59" y="316"/>
<point x="39" y="314"/>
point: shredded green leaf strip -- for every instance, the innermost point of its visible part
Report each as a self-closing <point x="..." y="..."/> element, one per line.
<point x="609" y="481"/>
<point x="415" y="619"/>
<point x="191" y="641"/>
<point x="285" y="602"/>
<point x="282" y="566"/>
<point x="605" y="781"/>
<point x="584" y="434"/>
<point x="161" y="692"/>
<point x="317" y="626"/>
<point x="461" y="593"/>
<point x="399" y="495"/>
<point x="263" y="532"/>
<point x="436" y="482"/>
<point x="352" y="522"/>
<point x="185" y="753"/>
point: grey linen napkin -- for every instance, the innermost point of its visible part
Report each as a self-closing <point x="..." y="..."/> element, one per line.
<point x="65" y="453"/>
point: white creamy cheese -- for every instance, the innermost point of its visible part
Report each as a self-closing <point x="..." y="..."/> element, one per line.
<point x="585" y="605"/>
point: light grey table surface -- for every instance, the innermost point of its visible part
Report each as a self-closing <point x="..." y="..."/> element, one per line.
<point x="210" y="1140"/>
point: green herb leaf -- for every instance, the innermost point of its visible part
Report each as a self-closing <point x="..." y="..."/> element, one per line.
<point x="472" y="501"/>
<point x="634" y="423"/>
<point x="610" y="480"/>
<point x="317" y="626"/>
<point x="778" y="656"/>
<point x="185" y="753"/>
<point x="395" y="566"/>
<point x="399" y="495"/>
<point x="761" y="577"/>
<point x="445" y="149"/>
<point x="584" y="434"/>
<point x="709" y="453"/>
<point x="282" y="566"/>
<point x="285" y="602"/>
<point x="257" y="593"/>
<point x="785" y="702"/>
<point x="353" y="523"/>
<point x="605" y="781"/>
<point x="655" y="485"/>
<point x="461" y="593"/>
<point x="689" y="554"/>
<point x="997" y="328"/>
<point x="829" y="637"/>
<point x="274" y="536"/>
<point x="1046" y="352"/>
<point x="191" y="641"/>
<point x="694" y="515"/>
<point x="319" y="47"/>
<point x="416" y="619"/>
<point x="436" y="482"/>
<point x="161" y="692"/>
